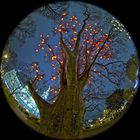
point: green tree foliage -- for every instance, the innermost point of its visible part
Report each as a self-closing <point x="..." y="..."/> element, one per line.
<point x="116" y="100"/>
<point x="132" y="67"/>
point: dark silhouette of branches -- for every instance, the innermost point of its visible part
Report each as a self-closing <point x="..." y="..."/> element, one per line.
<point x="26" y="29"/>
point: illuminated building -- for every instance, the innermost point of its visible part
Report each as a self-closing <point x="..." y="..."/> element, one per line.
<point x="45" y="94"/>
<point x="20" y="93"/>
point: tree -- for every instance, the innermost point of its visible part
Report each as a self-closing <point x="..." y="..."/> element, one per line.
<point x="83" y="51"/>
<point x="53" y="10"/>
<point x="8" y="60"/>
<point x="116" y="100"/>
<point x="128" y="96"/>
<point x="24" y="30"/>
<point x="132" y="68"/>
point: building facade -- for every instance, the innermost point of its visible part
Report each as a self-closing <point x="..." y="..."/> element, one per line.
<point x="20" y="92"/>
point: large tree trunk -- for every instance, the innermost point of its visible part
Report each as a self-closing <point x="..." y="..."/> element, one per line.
<point x="64" y="118"/>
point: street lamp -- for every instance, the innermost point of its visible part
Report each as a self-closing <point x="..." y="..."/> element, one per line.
<point x="5" y="56"/>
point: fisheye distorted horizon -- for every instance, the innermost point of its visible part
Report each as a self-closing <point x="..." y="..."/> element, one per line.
<point x="70" y="69"/>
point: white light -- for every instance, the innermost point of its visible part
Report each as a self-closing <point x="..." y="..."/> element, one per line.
<point x="91" y="125"/>
<point x="94" y="69"/>
<point x="101" y="120"/>
<point x="46" y="93"/>
<point x="122" y="107"/>
<point x="136" y="83"/>
<point x="90" y="120"/>
<point x="5" y="56"/>
<point x="30" y="106"/>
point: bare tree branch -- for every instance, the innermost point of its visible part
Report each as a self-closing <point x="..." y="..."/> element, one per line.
<point x="109" y="63"/>
<point x="36" y="96"/>
<point x="105" y="76"/>
<point x="92" y="109"/>
<point x="110" y="32"/>
<point x="85" y="74"/>
<point x="14" y="91"/>
<point x="76" y="50"/>
<point x="49" y="46"/>
<point x="66" y="49"/>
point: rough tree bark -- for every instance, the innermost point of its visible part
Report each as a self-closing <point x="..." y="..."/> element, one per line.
<point x="65" y="117"/>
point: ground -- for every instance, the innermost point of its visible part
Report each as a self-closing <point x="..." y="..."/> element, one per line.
<point x="34" y="123"/>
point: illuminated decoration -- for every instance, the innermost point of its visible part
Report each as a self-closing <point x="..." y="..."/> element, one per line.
<point x="53" y="57"/>
<point x="119" y="27"/>
<point x="50" y="49"/>
<point x="88" y="52"/>
<point x="53" y="78"/>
